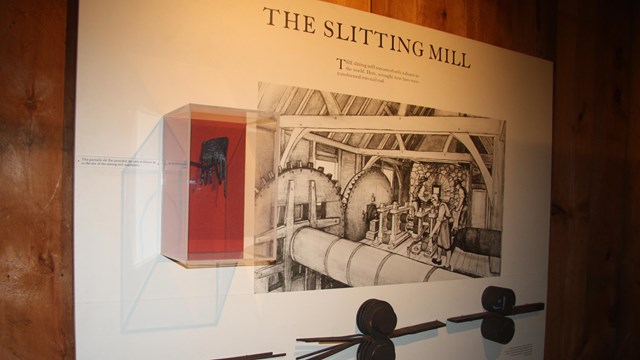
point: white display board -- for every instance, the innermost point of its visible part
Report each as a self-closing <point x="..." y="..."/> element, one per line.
<point x="141" y="59"/>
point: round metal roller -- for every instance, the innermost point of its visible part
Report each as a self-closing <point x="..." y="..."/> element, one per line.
<point x="376" y="349"/>
<point x="403" y="217"/>
<point x="499" y="329"/>
<point x="376" y="318"/>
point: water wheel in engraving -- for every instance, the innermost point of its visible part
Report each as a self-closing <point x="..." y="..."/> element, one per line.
<point x="327" y="199"/>
<point x="367" y="186"/>
<point x="325" y="214"/>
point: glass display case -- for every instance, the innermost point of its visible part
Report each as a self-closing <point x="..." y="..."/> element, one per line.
<point x="214" y="161"/>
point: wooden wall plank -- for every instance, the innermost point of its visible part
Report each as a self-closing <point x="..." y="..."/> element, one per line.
<point x="445" y="15"/>
<point x="524" y="26"/>
<point x="565" y="320"/>
<point x="36" y="284"/>
<point x="364" y="5"/>
<point x="590" y="125"/>
<point x="628" y="314"/>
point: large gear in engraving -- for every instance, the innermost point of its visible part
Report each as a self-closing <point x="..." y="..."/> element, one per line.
<point x="366" y="187"/>
<point x="327" y="199"/>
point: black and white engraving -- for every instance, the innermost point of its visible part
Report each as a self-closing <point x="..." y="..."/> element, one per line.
<point x="374" y="192"/>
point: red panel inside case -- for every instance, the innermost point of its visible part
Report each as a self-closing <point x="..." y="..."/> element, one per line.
<point x="216" y="221"/>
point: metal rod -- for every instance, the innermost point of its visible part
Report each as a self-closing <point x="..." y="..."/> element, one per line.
<point x="266" y="355"/>
<point x="519" y="309"/>
<point x="414" y="329"/>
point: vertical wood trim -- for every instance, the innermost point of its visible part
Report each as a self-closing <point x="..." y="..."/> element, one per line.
<point x="588" y="197"/>
<point x="68" y="166"/>
<point x="36" y="196"/>
<point x="628" y="312"/>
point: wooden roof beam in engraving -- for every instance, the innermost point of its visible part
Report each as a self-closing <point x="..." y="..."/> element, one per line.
<point x="465" y="139"/>
<point x="446" y="143"/>
<point x="336" y="144"/>
<point x="487" y="143"/>
<point x="401" y="145"/>
<point x="433" y="156"/>
<point x="387" y="110"/>
<point x="305" y="101"/>
<point x="402" y="110"/>
<point x="396" y="124"/>
<point x="285" y="101"/>
<point x="366" y="139"/>
<point x="295" y="137"/>
<point x="332" y="104"/>
<point x="363" y="108"/>
<point x="348" y="105"/>
<point x="384" y="140"/>
<point x="416" y="141"/>
<point x="372" y="160"/>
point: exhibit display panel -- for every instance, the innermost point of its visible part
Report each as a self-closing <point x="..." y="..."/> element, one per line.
<point x="210" y="156"/>
<point x="380" y="160"/>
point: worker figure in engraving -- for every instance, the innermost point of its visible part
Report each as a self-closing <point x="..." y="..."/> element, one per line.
<point x="420" y="194"/>
<point x="440" y="235"/>
<point x="459" y="207"/>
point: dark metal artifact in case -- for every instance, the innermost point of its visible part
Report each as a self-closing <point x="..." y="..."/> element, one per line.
<point x="213" y="158"/>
